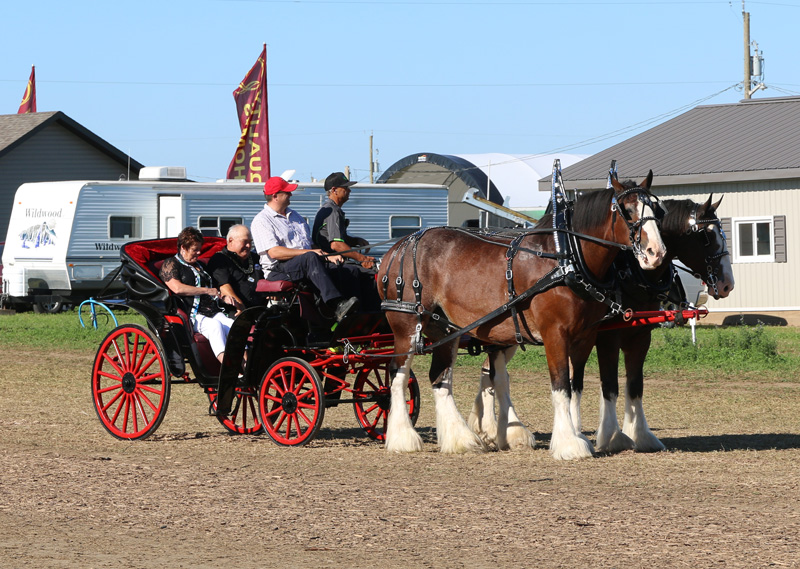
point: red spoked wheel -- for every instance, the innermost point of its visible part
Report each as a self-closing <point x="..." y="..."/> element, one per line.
<point x="130" y="383"/>
<point x="372" y="394"/>
<point x="243" y="419"/>
<point x="291" y="402"/>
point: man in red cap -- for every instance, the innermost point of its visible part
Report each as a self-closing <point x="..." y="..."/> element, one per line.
<point x="282" y="239"/>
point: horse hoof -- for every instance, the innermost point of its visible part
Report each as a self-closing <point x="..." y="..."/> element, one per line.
<point x="618" y="442"/>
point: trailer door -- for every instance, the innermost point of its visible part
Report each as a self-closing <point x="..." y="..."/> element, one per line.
<point x="170" y="214"/>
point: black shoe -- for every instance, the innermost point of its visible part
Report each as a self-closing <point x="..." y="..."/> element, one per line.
<point x="346" y="307"/>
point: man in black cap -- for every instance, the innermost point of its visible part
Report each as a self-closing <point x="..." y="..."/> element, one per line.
<point x="330" y="226"/>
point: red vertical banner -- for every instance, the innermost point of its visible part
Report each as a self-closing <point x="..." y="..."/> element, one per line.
<point x="28" y="104"/>
<point x="251" y="161"/>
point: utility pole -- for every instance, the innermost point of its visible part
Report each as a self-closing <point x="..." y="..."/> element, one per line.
<point x="371" y="163"/>
<point x="746" y="17"/>
<point x="753" y="66"/>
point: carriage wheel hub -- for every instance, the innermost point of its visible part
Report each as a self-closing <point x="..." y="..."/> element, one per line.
<point x="289" y="402"/>
<point x="128" y="382"/>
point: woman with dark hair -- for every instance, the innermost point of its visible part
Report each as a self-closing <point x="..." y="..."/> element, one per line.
<point x="186" y="276"/>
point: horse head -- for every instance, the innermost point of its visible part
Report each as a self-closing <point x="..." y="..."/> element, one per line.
<point x="637" y="210"/>
<point x="709" y="256"/>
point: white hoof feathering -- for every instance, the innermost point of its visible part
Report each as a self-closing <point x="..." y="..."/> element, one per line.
<point x="452" y="432"/>
<point x="565" y="442"/>
<point x="482" y="419"/>
<point x="609" y="437"/>
<point x="400" y="433"/>
<point x="512" y="434"/>
<point x="635" y="426"/>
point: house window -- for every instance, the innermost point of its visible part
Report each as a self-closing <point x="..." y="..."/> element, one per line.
<point x="754" y="240"/>
<point x="124" y="227"/>
<point x="402" y="225"/>
<point x="216" y="226"/>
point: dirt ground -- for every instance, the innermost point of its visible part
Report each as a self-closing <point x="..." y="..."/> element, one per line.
<point x="725" y="494"/>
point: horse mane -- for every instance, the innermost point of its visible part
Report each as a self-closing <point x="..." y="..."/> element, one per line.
<point x="591" y="209"/>
<point x="676" y="219"/>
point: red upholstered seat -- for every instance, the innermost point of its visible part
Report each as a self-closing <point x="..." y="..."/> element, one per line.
<point x="264" y="285"/>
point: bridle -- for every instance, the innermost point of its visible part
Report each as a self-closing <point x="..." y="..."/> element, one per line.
<point x="713" y="265"/>
<point x="635" y="228"/>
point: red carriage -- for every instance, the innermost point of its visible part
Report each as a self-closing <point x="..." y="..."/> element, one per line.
<point x="274" y="377"/>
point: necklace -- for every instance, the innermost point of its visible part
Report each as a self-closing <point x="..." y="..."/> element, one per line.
<point x="236" y="259"/>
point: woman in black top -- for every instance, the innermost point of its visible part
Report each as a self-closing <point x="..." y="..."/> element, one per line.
<point x="186" y="276"/>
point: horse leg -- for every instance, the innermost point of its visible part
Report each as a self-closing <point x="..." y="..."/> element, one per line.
<point x="452" y="432"/>
<point x="609" y="437"/>
<point x="635" y="425"/>
<point x="482" y="418"/>
<point x="566" y="443"/>
<point x="400" y="433"/>
<point x="511" y="433"/>
<point x="576" y="383"/>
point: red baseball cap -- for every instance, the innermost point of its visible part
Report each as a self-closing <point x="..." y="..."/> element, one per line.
<point x="277" y="184"/>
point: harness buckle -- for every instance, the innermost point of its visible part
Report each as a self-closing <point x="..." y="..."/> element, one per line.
<point x="509" y="274"/>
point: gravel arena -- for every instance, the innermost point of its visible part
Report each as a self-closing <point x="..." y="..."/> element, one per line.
<point x="726" y="493"/>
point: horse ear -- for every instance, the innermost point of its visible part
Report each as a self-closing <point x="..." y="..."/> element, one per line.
<point x="616" y="185"/>
<point x="647" y="181"/>
<point x="716" y="205"/>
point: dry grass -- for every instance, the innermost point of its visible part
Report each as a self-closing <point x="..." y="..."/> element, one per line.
<point x="725" y="494"/>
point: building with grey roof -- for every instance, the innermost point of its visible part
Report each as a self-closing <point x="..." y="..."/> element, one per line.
<point x="748" y="152"/>
<point x="44" y="147"/>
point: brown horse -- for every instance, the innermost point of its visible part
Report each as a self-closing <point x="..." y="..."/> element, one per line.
<point x="693" y="233"/>
<point x="461" y="277"/>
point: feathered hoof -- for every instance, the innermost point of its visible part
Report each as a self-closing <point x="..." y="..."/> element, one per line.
<point x="466" y="443"/>
<point x="571" y="448"/>
<point x="408" y="442"/>
<point x="649" y="444"/>
<point x="618" y="442"/>
<point x="519" y="438"/>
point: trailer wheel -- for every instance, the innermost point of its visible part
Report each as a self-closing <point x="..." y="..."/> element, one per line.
<point x="48" y="306"/>
<point x="243" y="419"/>
<point x="130" y="383"/>
<point x="372" y="394"/>
<point x="291" y="402"/>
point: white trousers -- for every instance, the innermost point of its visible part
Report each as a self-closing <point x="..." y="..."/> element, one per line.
<point x="215" y="329"/>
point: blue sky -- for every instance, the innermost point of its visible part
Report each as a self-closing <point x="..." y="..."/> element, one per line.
<point x="156" y="79"/>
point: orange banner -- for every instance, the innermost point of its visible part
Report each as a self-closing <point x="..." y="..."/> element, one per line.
<point x="251" y="161"/>
<point x="28" y="104"/>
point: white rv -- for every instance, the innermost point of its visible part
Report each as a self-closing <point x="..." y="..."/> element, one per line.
<point x="64" y="237"/>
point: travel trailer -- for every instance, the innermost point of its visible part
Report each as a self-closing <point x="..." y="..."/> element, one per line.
<point x="64" y="238"/>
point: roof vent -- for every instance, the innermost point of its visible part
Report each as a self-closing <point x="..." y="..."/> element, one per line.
<point x="162" y="173"/>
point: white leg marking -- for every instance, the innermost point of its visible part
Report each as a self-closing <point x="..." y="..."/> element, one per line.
<point x="636" y="427"/>
<point x="511" y="433"/>
<point x="482" y="419"/>
<point x="575" y="410"/>
<point x="400" y="433"/>
<point x="566" y="443"/>
<point x="609" y="437"/>
<point x="452" y="432"/>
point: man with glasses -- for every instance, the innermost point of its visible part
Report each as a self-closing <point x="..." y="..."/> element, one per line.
<point x="282" y="241"/>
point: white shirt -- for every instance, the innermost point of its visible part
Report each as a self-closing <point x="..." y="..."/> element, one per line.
<point x="271" y="229"/>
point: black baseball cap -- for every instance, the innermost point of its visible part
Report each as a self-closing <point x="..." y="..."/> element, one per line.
<point x="337" y="180"/>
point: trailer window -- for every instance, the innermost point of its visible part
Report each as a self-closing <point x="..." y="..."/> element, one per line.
<point x="216" y="226"/>
<point x="124" y="227"/>
<point x="402" y="225"/>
